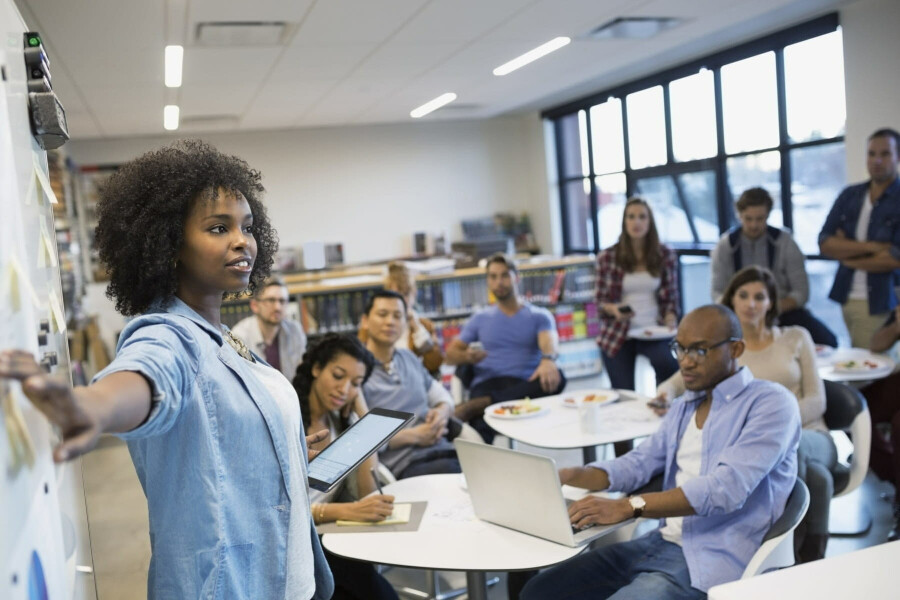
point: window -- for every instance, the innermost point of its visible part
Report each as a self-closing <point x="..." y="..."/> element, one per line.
<point x="691" y="139"/>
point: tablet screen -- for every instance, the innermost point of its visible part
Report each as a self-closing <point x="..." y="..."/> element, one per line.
<point x="353" y="446"/>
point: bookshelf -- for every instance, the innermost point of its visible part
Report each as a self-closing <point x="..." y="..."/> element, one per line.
<point x="334" y="302"/>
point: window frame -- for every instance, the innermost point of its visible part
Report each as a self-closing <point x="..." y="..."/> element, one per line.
<point x="775" y="42"/>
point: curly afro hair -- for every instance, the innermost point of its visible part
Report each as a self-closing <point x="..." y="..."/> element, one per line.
<point x="142" y="211"/>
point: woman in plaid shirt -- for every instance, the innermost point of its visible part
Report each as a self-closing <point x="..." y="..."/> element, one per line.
<point x="637" y="273"/>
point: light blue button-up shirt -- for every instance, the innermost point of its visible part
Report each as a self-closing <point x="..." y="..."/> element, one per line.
<point x="747" y="471"/>
<point x="213" y="460"/>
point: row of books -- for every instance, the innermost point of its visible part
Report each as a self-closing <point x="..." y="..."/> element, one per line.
<point x="577" y="322"/>
<point x="541" y="286"/>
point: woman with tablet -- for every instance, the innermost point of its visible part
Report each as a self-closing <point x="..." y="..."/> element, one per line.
<point x="328" y="384"/>
<point x="214" y="433"/>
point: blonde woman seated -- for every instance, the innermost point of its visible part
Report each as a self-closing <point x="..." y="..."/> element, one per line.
<point x="328" y="383"/>
<point x="785" y="355"/>
<point x="420" y="337"/>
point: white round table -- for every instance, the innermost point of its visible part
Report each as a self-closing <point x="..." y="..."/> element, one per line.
<point x="560" y="426"/>
<point x="825" y="365"/>
<point x="449" y="538"/>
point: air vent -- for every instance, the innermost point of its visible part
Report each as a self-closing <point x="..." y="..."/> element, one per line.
<point x="212" y="121"/>
<point x="632" y="28"/>
<point x="240" y="33"/>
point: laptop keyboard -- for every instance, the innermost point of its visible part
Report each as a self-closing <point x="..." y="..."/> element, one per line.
<point x="576" y="530"/>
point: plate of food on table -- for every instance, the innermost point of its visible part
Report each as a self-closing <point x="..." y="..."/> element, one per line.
<point x="601" y="397"/>
<point x="520" y="409"/>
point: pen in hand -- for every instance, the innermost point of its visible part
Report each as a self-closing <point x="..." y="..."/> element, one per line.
<point x="377" y="483"/>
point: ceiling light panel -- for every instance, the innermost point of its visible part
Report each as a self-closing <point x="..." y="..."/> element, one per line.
<point x="532" y="55"/>
<point x="432" y="105"/>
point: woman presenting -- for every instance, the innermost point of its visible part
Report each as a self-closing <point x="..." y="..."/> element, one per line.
<point x="637" y="287"/>
<point x="215" y="434"/>
<point x="328" y="383"/>
<point x="785" y="355"/>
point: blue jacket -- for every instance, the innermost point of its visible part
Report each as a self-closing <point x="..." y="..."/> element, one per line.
<point x="884" y="226"/>
<point x="747" y="471"/>
<point x="212" y="459"/>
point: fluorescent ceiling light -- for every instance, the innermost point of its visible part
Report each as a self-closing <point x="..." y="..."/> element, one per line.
<point x="170" y="117"/>
<point x="531" y="56"/>
<point x="433" y="105"/>
<point x="174" y="56"/>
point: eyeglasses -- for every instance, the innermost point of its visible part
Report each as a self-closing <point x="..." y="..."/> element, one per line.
<point x="273" y="300"/>
<point x="696" y="354"/>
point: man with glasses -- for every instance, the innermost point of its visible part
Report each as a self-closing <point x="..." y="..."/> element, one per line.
<point x="727" y="450"/>
<point x="280" y="341"/>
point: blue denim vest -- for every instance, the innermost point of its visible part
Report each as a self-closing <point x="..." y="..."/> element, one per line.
<point x="212" y="459"/>
<point x="884" y="226"/>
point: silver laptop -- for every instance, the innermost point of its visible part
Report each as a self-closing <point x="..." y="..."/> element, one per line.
<point x="521" y="491"/>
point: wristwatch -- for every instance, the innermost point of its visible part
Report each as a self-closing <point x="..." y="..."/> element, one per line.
<point x="552" y="357"/>
<point x="637" y="505"/>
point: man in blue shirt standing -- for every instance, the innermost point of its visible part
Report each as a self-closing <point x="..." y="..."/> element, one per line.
<point x="727" y="450"/>
<point x="513" y="347"/>
<point x="862" y="231"/>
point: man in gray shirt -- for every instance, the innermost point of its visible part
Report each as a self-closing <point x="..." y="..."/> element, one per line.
<point x="756" y="243"/>
<point x="400" y="382"/>
<point x="269" y="333"/>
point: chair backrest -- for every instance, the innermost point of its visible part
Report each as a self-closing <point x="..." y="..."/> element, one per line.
<point x="794" y="511"/>
<point x="843" y="403"/>
<point x="466" y="374"/>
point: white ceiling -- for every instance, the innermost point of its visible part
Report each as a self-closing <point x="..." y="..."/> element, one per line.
<point x="364" y="61"/>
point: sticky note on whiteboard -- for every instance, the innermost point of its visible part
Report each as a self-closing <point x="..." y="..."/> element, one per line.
<point x="58" y="316"/>
<point x="46" y="251"/>
<point x="42" y="179"/>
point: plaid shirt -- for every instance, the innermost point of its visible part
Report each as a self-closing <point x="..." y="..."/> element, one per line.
<point x="609" y="291"/>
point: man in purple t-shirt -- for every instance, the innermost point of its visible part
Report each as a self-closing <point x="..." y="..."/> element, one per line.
<point x="512" y="347"/>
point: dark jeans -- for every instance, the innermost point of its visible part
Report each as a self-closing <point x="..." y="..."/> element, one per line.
<point x="642" y="569"/>
<point x="883" y="398"/>
<point x="504" y="389"/>
<point x="356" y="580"/>
<point x="432" y="464"/>
<point x="805" y="319"/>
<point x="620" y="367"/>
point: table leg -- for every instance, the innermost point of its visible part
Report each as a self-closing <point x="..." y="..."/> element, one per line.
<point x="589" y="454"/>
<point x="477" y="584"/>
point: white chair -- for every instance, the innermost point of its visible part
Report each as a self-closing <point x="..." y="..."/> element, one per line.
<point x="777" y="549"/>
<point x="846" y="411"/>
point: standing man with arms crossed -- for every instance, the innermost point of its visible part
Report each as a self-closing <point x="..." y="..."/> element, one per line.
<point x="754" y="242"/>
<point x="519" y="348"/>
<point x="862" y="231"/>
<point x="728" y="452"/>
<point x="279" y="340"/>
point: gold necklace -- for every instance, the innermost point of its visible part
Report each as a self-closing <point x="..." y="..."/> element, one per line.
<point x="238" y="345"/>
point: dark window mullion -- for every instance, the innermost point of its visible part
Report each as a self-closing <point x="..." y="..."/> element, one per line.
<point x="667" y="109"/>
<point x="786" y="204"/>
<point x="563" y="200"/>
<point x="629" y="176"/>
<point x="723" y="194"/>
<point x="592" y="196"/>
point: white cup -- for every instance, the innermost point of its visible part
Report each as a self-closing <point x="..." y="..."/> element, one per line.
<point x="589" y="416"/>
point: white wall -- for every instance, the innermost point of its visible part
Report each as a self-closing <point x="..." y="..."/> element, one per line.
<point x="871" y="62"/>
<point x="371" y="187"/>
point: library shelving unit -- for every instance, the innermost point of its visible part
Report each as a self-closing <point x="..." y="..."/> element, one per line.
<point x="333" y="301"/>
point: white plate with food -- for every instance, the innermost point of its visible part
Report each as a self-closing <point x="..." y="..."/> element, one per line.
<point x="652" y="332"/>
<point x="861" y="365"/>
<point x="602" y="397"/>
<point x="522" y="409"/>
<point x="823" y="351"/>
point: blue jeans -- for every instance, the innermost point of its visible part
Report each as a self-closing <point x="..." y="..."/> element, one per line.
<point x="645" y="568"/>
<point x="620" y="367"/>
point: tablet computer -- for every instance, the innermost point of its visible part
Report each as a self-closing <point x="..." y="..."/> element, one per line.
<point x="356" y="444"/>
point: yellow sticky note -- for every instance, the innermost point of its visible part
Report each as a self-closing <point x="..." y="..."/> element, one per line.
<point x="58" y="316"/>
<point x="400" y="515"/>
<point x="20" y="445"/>
<point x="12" y="280"/>
<point x="30" y="193"/>
<point x="43" y="180"/>
<point x="46" y="251"/>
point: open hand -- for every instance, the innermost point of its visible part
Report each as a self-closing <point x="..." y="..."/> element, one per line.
<point x="56" y="399"/>
<point x="313" y="439"/>
<point x="548" y="374"/>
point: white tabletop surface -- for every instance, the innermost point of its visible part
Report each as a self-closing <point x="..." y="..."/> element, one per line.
<point x="450" y="537"/>
<point x="867" y="573"/>
<point x="560" y="427"/>
<point x="826" y="370"/>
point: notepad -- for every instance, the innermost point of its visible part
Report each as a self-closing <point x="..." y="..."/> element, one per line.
<point x="400" y="515"/>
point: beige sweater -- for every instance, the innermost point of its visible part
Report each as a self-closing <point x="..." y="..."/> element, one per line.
<point x="791" y="361"/>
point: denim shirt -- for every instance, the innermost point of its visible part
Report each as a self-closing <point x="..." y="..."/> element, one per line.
<point x="212" y="460"/>
<point x="747" y="471"/>
<point x="884" y="226"/>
